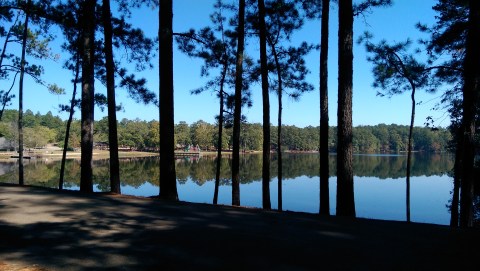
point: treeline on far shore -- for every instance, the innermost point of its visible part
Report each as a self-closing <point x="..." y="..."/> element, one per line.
<point x="40" y="130"/>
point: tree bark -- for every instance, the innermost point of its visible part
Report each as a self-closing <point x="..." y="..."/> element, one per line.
<point x="20" y="99"/>
<point x="168" y="182"/>
<point x="88" y="55"/>
<point x="69" y="124"/>
<point x="470" y="103"/>
<point x="266" y="109"/>
<point x="112" y="106"/>
<point x="345" y="191"/>
<point x="238" y="105"/>
<point x="324" y="157"/>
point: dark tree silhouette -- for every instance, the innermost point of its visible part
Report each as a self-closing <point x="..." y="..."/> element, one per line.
<point x="324" y="149"/>
<point x="217" y="48"/>
<point x="448" y="38"/>
<point x="237" y="115"/>
<point x="345" y="192"/>
<point x="168" y="182"/>
<point x="112" y="107"/>
<point x="20" y="95"/>
<point x="266" y="108"/>
<point x="287" y="64"/>
<point x="471" y="90"/>
<point x="346" y="12"/>
<point x="71" y="110"/>
<point x="87" y="23"/>
<point x="396" y="71"/>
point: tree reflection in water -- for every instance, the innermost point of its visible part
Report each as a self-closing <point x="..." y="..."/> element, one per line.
<point x="379" y="181"/>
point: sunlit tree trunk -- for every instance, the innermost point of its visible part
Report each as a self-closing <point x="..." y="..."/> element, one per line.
<point x="324" y="165"/>
<point x="168" y="182"/>
<point x="88" y="54"/>
<point x="266" y="109"/>
<point x="345" y="192"/>
<point x="238" y="105"/>
<point x="112" y="110"/>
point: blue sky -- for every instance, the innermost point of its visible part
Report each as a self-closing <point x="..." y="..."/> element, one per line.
<point x="395" y="23"/>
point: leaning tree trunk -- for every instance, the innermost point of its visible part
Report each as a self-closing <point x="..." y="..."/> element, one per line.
<point x="5" y="98"/>
<point x="345" y="191"/>
<point x="20" y="100"/>
<point x="324" y="165"/>
<point x="471" y="88"/>
<point x="266" y="109"/>
<point x="88" y="55"/>
<point x="112" y="110"/>
<point x="168" y="182"/>
<point x="69" y="124"/>
<point x="238" y="105"/>
<point x="409" y="153"/>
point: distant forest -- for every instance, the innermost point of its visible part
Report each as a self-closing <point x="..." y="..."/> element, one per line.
<point x="142" y="135"/>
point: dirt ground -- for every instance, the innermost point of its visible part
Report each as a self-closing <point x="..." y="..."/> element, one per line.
<point x="17" y="267"/>
<point x="47" y="229"/>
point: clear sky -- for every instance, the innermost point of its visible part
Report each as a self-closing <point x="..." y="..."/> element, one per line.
<point x="395" y="23"/>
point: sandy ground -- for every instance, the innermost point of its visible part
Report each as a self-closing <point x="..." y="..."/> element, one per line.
<point x="45" y="229"/>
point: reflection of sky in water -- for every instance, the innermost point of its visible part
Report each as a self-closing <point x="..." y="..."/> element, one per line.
<point x="374" y="198"/>
<point x="381" y="197"/>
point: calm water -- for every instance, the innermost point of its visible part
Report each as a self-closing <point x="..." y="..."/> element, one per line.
<point x="379" y="182"/>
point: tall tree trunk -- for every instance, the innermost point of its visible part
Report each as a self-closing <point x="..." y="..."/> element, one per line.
<point x="457" y="175"/>
<point x="112" y="110"/>
<point x="20" y="99"/>
<point x="88" y="55"/>
<point x="69" y="124"/>
<point x="266" y="109"/>
<point x="279" y="130"/>
<point x="168" y="182"/>
<point x="409" y="153"/>
<point x="220" y="136"/>
<point x="324" y="157"/>
<point x="345" y="191"/>
<point x="470" y="103"/>
<point x="237" y="114"/>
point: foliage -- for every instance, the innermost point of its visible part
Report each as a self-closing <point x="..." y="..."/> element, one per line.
<point x="395" y="69"/>
<point x="12" y="21"/>
<point x="217" y="48"/>
<point x="143" y="135"/>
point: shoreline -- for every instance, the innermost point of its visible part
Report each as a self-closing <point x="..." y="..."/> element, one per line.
<point x="100" y="154"/>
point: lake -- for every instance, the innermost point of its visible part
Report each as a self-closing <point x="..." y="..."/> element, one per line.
<point x="380" y="188"/>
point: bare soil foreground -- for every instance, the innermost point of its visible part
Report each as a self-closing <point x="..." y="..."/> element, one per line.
<point x="45" y="229"/>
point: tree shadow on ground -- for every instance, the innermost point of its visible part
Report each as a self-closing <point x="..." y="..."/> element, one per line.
<point x="69" y="230"/>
